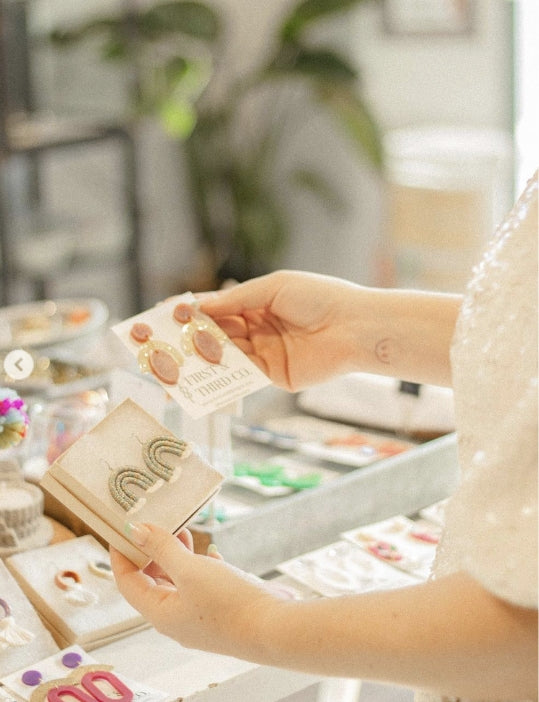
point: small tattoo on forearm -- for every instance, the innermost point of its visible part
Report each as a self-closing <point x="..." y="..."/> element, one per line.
<point x="382" y="350"/>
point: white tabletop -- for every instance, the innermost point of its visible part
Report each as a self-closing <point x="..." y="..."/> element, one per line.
<point x="186" y="674"/>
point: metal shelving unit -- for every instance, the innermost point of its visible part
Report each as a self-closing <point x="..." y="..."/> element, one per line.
<point x="26" y="135"/>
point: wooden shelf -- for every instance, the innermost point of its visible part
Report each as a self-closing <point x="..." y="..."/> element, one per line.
<point x="42" y="133"/>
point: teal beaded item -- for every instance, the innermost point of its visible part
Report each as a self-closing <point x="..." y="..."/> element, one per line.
<point x="153" y="450"/>
<point x="130" y="475"/>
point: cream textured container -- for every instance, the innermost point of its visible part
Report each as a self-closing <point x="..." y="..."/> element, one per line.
<point x="448" y="189"/>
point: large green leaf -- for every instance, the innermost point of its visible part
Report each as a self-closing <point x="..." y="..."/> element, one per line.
<point x="322" y="64"/>
<point x="67" y="36"/>
<point x="309" y="11"/>
<point x="176" y="17"/>
<point x="179" y="117"/>
<point x="356" y="118"/>
<point x="192" y="18"/>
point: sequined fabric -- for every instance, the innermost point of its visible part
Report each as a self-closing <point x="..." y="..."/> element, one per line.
<point x="491" y="521"/>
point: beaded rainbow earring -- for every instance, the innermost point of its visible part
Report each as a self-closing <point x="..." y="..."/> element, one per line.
<point x="153" y="450"/>
<point x="151" y="478"/>
<point x="121" y="482"/>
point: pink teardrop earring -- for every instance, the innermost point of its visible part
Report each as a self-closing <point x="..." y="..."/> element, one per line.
<point x="200" y="334"/>
<point x="156" y="357"/>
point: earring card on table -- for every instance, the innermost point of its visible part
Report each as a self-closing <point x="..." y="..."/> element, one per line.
<point x="115" y="450"/>
<point x="71" y="586"/>
<point x="19" y="648"/>
<point x="405" y="544"/>
<point x="73" y="673"/>
<point x="190" y="356"/>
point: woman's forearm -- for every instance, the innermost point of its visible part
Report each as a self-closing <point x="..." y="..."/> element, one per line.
<point x="403" y="333"/>
<point x="449" y="636"/>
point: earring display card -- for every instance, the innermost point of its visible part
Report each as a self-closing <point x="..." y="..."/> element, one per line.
<point x="342" y="569"/>
<point x="71" y="586"/>
<point x="23" y="637"/>
<point x="73" y="673"/>
<point x="190" y="356"/>
<point x="401" y="542"/>
<point x="105" y="480"/>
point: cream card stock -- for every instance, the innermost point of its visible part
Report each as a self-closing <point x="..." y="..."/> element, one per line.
<point x="73" y="674"/>
<point x="39" y="642"/>
<point x="114" y="451"/>
<point x="96" y="613"/>
<point x="168" y="350"/>
<point x="401" y="542"/>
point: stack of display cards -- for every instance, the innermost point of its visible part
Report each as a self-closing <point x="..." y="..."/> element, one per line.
<point x="405" y="544"/>
<point x="342" y="568"/>
<point x="73" y="673"/>
<point x="71" y="585"/>
<point x="23" y="637"/>
<point x="131" y="468"/>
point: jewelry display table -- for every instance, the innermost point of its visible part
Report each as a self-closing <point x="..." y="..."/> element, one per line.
<point x="280" y="528"/>
<point x="187" y="674"/>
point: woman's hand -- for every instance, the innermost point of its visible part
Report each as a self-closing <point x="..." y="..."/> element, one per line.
<point x="295" y="326"/>
<point x="303" y="328"/>
<point x="199" y="601"/>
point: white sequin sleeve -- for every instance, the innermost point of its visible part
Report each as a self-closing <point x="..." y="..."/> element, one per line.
<point x="492" y="519"/>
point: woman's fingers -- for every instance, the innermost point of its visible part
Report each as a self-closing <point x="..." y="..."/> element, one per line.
<point x="213" y="552"/>
<point x="167" y="554"/>
<point x="186" y="538"/>
<point x="234" y="327"/>
<point x="256" y="293"/>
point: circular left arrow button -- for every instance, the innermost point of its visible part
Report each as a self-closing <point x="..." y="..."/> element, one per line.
<point x="18" y="364"/>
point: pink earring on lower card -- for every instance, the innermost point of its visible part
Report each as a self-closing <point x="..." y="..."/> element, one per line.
<point x="121" y="693"/>
<point x="10" y="633"/>
<point x="82" y="687"/>
<point x="70" y="582"/>
<point x="385" y="550"/>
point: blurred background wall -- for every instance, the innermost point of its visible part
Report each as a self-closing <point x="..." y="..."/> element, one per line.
<point x="462" y="80"/>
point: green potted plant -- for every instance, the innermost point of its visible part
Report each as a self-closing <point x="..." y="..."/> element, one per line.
<point x="173" y="49"/>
